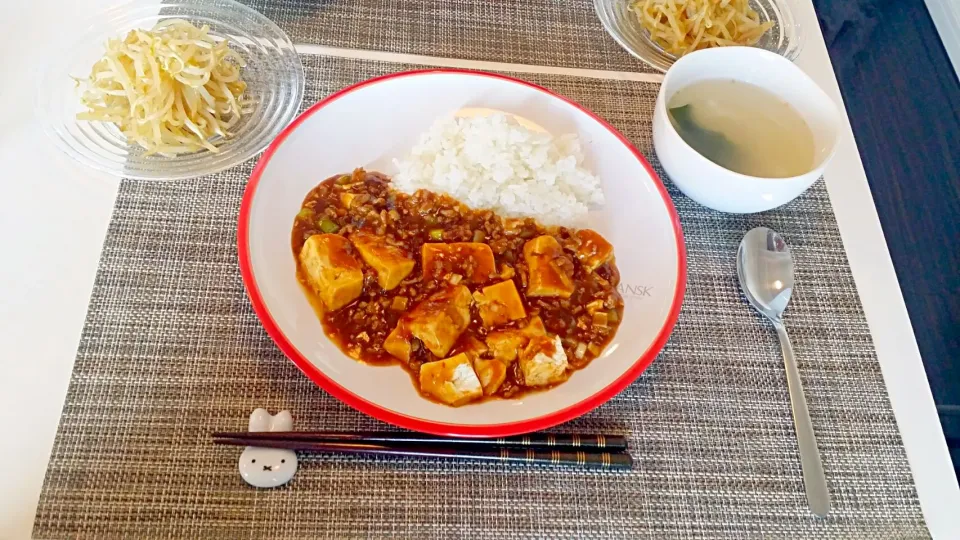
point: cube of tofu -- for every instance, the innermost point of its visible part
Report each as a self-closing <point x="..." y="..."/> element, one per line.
<point x="398" y="342"/>
<point x="491" y="373"/>
<point x="507" y="344"/>
<point x="535" y="327"/>
<point x="543" y="361"/>
<point x="330" y="270"/>
<point x="451" y="380"/>
<point x="472" y="260"/>
<point x="500" y="304"/>
<point x="469" y="345"/>
<point x="593" y="249"/>
<point x="440" y="319"/>
<point x="390" y="262"/>
<point x="549" y="268"/>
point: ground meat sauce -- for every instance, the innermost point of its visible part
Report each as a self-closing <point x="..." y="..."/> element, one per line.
<point x="409" y="221"/>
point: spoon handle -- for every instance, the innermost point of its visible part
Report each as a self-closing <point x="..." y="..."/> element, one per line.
<point x="814" y="479"/>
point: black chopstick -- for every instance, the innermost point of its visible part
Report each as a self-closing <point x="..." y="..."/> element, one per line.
<point x="583" y="458"/>
<point x="535" y="441"/>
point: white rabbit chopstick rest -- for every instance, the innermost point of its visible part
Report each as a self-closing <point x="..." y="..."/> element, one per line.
<point x="268" y="467"/>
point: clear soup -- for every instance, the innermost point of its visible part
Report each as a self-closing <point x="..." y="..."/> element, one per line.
<point x="744" y="128"/>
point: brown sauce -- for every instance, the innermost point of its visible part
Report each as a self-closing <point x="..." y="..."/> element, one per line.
<point x="346" y="204"/>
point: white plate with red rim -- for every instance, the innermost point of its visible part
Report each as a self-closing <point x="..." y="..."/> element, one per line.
<point x="371" y="123"/>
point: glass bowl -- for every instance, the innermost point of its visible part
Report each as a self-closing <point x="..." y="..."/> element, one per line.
<point x="274" y="77"/>
<point x="784" y="38"/>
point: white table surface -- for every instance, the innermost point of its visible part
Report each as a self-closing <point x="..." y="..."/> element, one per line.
<point x="47" y="269"/>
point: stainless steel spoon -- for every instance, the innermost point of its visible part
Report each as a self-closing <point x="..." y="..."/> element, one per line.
<point x="765" y="269"/>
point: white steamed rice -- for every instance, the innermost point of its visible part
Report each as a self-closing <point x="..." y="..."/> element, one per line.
<point x="494" y="162"/>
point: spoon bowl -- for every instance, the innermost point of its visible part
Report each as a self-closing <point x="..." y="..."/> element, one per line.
<point x="765" y="269"/>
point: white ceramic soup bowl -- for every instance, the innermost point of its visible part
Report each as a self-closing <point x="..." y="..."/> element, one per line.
<point x="370" y="124"/>
<point x="717" y="187"/>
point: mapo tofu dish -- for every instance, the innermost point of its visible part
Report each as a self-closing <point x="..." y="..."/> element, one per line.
<point x="471" y="304"/>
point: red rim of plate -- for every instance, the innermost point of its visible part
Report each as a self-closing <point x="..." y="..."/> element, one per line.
<point x="441" y="428"/>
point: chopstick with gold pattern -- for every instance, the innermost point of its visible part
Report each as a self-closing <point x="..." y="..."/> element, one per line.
<point x="541" y="441"/>
<point x="583" y="458"/>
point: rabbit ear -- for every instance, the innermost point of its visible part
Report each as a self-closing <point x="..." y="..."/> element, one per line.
<point x="260" y="420"/>
<point x="283" y="421"/>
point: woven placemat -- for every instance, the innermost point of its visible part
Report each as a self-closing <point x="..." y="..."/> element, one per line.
<point x="544" y="32"/>
<point x="172" y="351"/>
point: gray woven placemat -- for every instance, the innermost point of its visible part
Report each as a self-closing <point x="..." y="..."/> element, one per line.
<point x="172" y="351"/>
<point x="543" y="32"/>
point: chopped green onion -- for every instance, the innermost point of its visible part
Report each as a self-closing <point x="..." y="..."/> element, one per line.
<point x="305" y="213"/>
<point x="327" y="225"/>
<point x="612" y="315"/>
<point x="345" y="179"/>
<point x="436" y="234"/>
